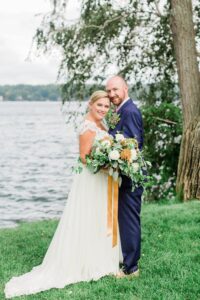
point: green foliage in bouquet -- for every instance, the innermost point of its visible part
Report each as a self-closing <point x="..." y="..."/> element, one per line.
<point x="98" y="158"/>
<point x="118" y="156"/>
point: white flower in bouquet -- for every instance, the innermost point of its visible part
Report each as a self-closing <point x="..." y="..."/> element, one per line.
<point x="114" y="155"/>
<point x="119" y="137"/>
<point x="135" y="167"/>
<point x="133" y="154"/>
<point x="106" y="143"/>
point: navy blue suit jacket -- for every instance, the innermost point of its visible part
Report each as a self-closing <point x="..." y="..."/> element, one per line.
<point x="131" y="126"/>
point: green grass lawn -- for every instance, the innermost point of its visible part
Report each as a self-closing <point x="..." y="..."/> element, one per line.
<point x="169" y="265"/>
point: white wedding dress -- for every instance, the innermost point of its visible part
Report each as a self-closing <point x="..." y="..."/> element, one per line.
<point x="80" y="250"/>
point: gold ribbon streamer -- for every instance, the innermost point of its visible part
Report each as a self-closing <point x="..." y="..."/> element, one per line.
<point x="109" y="208"/>
<point x="112" y="210"/>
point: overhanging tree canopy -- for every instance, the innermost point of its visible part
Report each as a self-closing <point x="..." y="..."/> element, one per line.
<point x="137" y="37"/>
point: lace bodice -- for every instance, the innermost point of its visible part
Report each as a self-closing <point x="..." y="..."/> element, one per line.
<point x="89" y="125"/>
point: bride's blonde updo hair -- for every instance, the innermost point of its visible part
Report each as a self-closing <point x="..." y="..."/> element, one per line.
<point x="98" y="95"/>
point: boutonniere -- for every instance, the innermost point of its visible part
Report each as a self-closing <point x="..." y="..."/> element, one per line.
<point x="112" y="118"/>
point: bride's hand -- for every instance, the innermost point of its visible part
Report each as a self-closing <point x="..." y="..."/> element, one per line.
<point x="105" y="170"/>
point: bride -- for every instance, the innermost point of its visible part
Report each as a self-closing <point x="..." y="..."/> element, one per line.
<point x="81" y="249"/>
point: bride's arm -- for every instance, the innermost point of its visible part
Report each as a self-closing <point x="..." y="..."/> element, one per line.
<point x="85" y="144"/>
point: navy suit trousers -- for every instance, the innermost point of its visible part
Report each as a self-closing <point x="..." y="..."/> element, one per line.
<point x="129" y="227"/>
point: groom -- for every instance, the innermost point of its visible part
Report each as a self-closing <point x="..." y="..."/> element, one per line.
<point x="130" y="125"/>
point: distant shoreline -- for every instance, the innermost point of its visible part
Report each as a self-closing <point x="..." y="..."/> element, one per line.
<point x="35" y="100"/>
<point x="25" y="92"/>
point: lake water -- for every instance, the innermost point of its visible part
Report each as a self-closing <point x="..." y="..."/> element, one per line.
<point x="37" y="151"/>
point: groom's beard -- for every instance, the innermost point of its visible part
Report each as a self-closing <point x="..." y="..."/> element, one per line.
<point x="116" y="100"/>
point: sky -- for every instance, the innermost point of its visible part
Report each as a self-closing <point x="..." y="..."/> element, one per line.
<point x="18" y="22"/>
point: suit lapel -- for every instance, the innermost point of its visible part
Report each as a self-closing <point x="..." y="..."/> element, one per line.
<point x="124" y="106"/>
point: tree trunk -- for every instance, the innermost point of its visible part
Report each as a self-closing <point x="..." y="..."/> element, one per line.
<point x="188" y="177"/>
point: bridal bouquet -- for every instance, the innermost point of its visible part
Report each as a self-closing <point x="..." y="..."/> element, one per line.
<point x="118" y="156"/>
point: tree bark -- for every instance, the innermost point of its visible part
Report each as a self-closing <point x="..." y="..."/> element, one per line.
<point x="188" y="177"/>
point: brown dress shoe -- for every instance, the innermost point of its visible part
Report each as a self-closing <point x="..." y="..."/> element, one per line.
<point x="121" y="274"/>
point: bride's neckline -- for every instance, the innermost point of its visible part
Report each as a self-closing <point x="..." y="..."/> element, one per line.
<point x="103" y="128"/>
